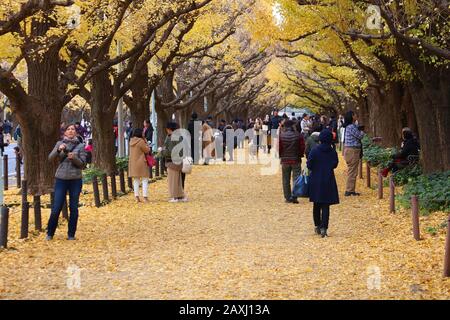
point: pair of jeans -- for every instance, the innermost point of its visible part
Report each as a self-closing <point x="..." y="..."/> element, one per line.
<point x="321" y="213"/>
<point x="289" y="171"/>
<point x="62" y="187"/>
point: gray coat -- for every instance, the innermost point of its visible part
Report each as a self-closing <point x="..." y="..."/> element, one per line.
<point x="69" y="169"/>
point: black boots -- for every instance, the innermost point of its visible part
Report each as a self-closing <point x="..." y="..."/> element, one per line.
<point x="317" y="230"/>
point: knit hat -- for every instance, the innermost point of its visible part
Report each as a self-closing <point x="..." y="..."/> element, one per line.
<point x="326" y="137"/>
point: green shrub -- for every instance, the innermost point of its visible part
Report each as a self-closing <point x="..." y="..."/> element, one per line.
<point x="381" y="157"/>
<point x="375" y="155"/>
<point x="122" y="163"/>
<point x="433" y="192"/>
<point x="88" y="174"/>
<point x="405" y="175"/>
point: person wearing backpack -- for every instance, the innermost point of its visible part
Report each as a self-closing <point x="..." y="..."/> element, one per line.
<point x="138" y="168"/>
<point x="323" y="191"/>
<point x="291" y="149"/>
<point x="72" y="160"/>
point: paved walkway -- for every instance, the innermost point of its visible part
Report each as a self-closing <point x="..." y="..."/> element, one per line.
<point x="235" y="239"/>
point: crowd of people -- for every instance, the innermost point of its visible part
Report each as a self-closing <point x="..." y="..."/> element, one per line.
<point x="312" y="137"/>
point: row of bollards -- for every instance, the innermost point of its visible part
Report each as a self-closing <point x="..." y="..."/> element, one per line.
<point x="160" y="171"/>
<point x="415" y="210"/>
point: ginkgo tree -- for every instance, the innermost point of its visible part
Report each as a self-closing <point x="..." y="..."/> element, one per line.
<point x="399" y="51"/>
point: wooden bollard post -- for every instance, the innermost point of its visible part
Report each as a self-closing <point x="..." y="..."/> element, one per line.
<point x="25" y="211"/>
<point x="96" y="192"/>
<point x="65" y="209"/>
<point x="151" y="173"/>
<point x="380" y="184"/>
<point x="5" y="172"/>
<point x="392" y="194"/>
<point x="157" y="168"/>
<point x="129" y="181"/>
<point x="37" y="213"/>
<point x="447" y="251"/>
<point x="368" y="174"/>
<point x="113" y="186"/>
<point x="18" y="173"/>
<point x="361" y="169"/>
<point x="415" y="217"/>
<point x="4" y="220"/>
<point x="123" y="188"/>
<point x="105" y="187"/>
<point x="52" y="199"/>
<point x="163" y="167"/>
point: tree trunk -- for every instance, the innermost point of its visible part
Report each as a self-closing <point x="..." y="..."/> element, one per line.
<point x="385" y="114"/>
<point x="431" y="105"/>
<point x="430" y="96"/>
<point x="40" y="118"/>
<point x="102" y="112"/>
<point x="40" y="131"/>
<point x="140" y="103"/>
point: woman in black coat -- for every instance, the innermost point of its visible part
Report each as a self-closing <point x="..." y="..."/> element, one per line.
<point x="323" y="189"/>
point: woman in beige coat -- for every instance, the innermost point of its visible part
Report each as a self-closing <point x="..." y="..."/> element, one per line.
<point x="137" y="164"/>
<point x="174" y="166"/>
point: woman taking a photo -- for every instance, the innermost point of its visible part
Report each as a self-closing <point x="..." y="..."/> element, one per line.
<point x="352" y="151"/>
<point x="72" y="160"/>
<point x="138" y="168"/>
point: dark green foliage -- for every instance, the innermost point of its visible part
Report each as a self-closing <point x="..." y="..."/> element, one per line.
<point x="433" y="192"/>
<point x="88" y="174"/>
<point x="405" y="175"/>
<point x="122" y="163"/>
<point x="375" y="155"/>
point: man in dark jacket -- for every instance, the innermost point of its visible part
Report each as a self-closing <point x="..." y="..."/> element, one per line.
<point x="291" y="149"/>
<point x="148" y="131"/>
<point x="191" y="129"/>
<point x="275" y="121"/>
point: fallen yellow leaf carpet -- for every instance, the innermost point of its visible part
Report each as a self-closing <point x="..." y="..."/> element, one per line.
<point x="235" y="239"/>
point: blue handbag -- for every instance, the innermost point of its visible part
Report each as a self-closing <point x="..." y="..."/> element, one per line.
<point x="301" y="189"/>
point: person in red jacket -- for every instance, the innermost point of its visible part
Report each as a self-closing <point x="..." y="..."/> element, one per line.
<point x="291" y="148"/>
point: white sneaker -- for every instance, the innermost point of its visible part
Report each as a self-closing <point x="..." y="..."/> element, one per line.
<point x="184" y="200"/>
<point x="173" y="200"/>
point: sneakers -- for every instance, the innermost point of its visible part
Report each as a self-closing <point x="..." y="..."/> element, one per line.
<point x="173" y="200"/>
<point x="323" y="232"/>
<point x="185" y="199"/>
<point x="71" y="238"/>
<point x="317" y="230"/>
<point x="349" y="194"/>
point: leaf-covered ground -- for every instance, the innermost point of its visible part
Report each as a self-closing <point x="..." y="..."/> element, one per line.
<point x="235" y="239"/>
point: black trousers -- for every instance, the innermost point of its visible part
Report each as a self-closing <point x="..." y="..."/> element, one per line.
<point x="321" y="213"/>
